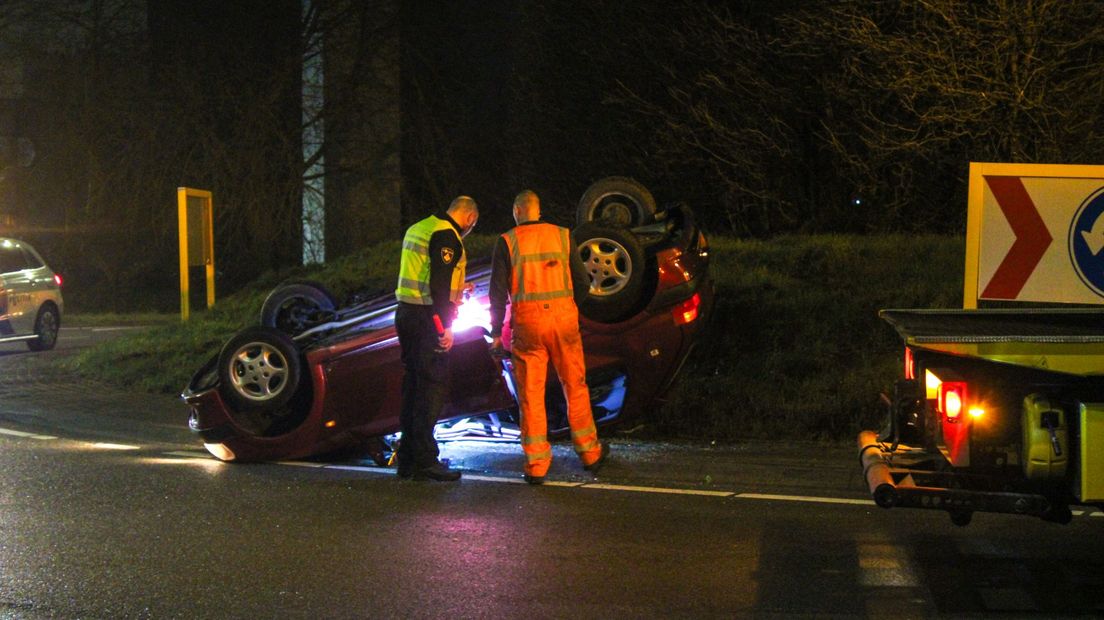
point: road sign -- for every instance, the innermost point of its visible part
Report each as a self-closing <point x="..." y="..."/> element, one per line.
<point x="1035" y="233"/>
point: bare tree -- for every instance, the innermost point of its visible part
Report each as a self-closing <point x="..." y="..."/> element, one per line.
<point x="916" y="89"/>
<point x="724" y="111"/>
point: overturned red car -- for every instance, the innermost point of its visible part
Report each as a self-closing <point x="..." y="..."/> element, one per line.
<point x="316" y="379"/>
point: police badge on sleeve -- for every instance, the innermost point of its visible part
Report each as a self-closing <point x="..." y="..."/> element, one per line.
<point x="447" y="254"/>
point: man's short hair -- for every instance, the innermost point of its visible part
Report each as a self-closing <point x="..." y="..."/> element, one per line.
<point x="524" y="196"/>
<point x="463" y="203"/>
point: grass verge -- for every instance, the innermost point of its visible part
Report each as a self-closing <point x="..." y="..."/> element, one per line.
<point x="794" y="349"/>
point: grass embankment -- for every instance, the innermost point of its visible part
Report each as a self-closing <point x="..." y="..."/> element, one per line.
<point x="163" y="358"/>
<point x="795" y="348"/>
<point x="102" y="319"/>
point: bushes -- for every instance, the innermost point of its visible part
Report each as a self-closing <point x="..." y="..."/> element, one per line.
<point x="795" y="347"/>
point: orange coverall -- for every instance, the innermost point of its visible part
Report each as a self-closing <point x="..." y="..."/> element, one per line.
<point x="545" y="325"/>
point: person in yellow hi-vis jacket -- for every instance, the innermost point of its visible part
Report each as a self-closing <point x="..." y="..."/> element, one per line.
<point x="536" y="265"/>
<point x="431" y="284"/>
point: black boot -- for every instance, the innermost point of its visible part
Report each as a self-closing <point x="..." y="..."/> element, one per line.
<point x="437" y="472"/>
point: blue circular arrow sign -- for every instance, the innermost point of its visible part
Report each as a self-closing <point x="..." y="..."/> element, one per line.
<point x="1086" y="242"/>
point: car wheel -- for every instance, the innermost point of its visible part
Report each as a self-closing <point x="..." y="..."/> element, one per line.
<point x="259" y="368"/>
<point x="614" y="259"/>
<point x="294" y="308"/>
<point x="616" y="201"/>
<point x="46" y="328"/>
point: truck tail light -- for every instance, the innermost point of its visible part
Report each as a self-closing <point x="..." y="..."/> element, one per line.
<point x="687" y="311"/>
<point x="952" y="399"/>
<point x="910" y="365"/>
<point x="57" y="279"/>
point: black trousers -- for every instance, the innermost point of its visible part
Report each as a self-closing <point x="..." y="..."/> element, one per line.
<point x="425" y="384"/>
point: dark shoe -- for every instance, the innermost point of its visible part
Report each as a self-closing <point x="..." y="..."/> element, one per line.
<point x="534" y="479"/>
<point x="596" y="465"/>
<point x="437" y="472"/>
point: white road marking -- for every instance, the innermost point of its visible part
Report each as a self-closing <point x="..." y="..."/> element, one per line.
<point x="375" y="470"/>
<point x="639" y="489"/>
<point x="501" y="479"/>
<point x="803" y="498"/>
<point x="13" y="433"/>
<point x="196" y="454"/>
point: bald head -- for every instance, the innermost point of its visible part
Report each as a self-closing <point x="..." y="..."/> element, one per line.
<point x="464" y="212"/>
<point x="526" y="207"/>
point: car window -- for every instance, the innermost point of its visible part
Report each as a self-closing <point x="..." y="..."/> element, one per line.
<point x="11" y="259"/>
<point x="31" y="260"/>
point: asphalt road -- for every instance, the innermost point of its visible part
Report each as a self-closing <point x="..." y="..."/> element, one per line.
<point x="109" y="509"/>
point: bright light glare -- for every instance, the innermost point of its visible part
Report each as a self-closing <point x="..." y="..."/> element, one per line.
<point x="115" y="446"/>
<point x="472" y="314"/>
<point x="208" y="464"/>
<point x="976" y="412"/>
<point x="220" y="451"/>
<point x="953" y="403"/>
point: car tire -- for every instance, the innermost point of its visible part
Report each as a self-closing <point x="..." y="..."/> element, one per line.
<point x="46" y="327"/>
<point x="295" y="307"/>
<point x="615" y="261"/>
<point x="259" y="368"/>
<point x="616" y="201"/>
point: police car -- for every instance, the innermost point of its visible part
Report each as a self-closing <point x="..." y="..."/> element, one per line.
<point x="30" y="297"/>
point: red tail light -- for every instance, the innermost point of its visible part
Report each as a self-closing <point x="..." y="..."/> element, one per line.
<point x="687" y="311"/>
<point x="952" y="399"/>
<point x="57" y="279"/>
<point x="910" y="365"/>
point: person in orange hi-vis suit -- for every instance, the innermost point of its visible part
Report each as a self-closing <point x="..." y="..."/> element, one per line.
<point x="536" y="265"/>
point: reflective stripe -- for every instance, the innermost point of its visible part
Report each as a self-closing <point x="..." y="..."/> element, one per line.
<point x="536" y="258"/>
<point x="515" y="260"/>
<point x="534" y="439"/>
<point x="565" y="241"/>
<point x="423" y="287"/>
<point x="534" y="457"/>
<point x="415" y="245"/>
<point x="593" y="444"/>
<point x="583" y="432"/>
<point x="545" y="296"/>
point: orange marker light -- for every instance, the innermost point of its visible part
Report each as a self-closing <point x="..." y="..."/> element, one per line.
<point x="331" y="423"/>
<point x="687" y="311"/>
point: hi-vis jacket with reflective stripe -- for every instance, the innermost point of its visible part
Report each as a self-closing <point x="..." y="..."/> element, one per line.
<point x="413" y="286"/>
<point x="540" y="256"/>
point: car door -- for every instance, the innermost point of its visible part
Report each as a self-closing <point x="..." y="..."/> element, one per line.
<point x="16" y="285"/>
<point x="39" y="278"/>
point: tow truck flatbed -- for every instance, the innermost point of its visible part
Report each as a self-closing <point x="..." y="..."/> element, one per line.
<point x="1034" y="325"/>
<point x="1064" y="340"/>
